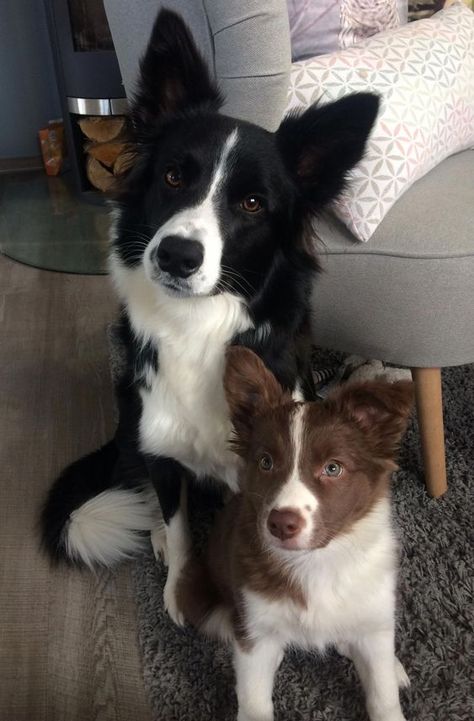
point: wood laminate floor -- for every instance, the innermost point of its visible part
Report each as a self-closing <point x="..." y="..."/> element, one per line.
<point x="67" y="639"/>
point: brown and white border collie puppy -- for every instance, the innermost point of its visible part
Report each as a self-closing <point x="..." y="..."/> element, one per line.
<point x="305" y="555"/>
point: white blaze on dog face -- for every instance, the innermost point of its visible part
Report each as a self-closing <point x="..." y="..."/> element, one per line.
<point x="199" y="223"/>
<point x="270" y="428"/>
<point x="294" y="496"/>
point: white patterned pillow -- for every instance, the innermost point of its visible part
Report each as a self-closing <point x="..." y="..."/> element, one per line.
<point x="424" y="72"/>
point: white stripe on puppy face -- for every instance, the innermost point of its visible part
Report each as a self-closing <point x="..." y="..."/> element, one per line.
<point x="295" y="494"/>
<point x="200" y="223"/>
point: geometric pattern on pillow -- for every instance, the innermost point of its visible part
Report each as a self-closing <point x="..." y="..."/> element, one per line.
<point x="424" y="73"/>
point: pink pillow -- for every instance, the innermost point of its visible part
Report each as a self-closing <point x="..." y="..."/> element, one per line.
<point x="323" y="26"/>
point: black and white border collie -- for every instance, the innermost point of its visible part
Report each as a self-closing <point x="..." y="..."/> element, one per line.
<point x="209" y="248"/>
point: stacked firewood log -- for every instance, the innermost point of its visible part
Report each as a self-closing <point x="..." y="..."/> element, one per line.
<point x="108" y="153"/>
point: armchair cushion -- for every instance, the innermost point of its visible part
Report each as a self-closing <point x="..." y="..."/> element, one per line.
<point x="424" y="72"/>
<point x="407" y="297"/>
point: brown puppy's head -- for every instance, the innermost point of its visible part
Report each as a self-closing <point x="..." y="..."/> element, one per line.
<point x="312" y="469"/>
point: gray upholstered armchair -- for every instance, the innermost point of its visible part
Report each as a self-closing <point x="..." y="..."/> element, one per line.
<point x="406" y="296"/>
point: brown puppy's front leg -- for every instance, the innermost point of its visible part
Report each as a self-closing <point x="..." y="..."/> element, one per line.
<point x="255" y="670"/>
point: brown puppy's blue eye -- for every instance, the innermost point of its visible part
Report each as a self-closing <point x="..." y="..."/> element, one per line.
<point x="173" y="178"/>
<point x="333" y="469"/>
<point x="251" y="204"/>
<point x="265" y="462"/>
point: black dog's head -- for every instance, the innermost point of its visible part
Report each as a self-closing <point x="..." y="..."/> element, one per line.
<point x="210" y="201"/>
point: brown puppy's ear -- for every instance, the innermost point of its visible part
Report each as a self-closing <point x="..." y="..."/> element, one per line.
<point x="250" y="388"/>
<point x="380" y="409"/>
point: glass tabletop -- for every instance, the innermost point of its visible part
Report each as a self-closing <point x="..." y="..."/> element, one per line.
<point x="45" y="224"/>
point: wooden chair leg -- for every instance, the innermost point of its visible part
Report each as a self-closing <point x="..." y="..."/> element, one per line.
<point x="429" y="406"/>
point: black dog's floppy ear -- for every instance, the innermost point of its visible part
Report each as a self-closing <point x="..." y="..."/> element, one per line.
<point x="322" y="144"/>
<point x="173" y="75"/>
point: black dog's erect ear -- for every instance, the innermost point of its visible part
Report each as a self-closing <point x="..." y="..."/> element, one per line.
<point x="322" y="144"/>
<point x="173" y="76"/>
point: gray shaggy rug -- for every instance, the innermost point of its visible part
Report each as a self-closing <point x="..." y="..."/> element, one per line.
<point x="190" y="678"/>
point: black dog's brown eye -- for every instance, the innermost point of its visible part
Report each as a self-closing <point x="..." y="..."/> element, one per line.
<point x="251" y="204"/>
<point x="173" y="178"/>
<point x="333" y="469"/>
<point x="266" y="462"/>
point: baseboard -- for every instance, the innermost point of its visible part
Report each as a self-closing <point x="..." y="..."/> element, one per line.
<point x="12" y="165"/>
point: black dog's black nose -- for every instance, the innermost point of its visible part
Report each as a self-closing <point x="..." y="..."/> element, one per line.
<point x="179" y="256"/>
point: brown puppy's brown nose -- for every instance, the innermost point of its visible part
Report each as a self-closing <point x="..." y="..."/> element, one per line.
<point x="285" y="523"/>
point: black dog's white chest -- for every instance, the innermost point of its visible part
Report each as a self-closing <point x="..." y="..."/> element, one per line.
<point x="185" y="414"/>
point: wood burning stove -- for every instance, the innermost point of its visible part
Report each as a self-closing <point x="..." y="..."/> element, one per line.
<point x="89" y="79"/>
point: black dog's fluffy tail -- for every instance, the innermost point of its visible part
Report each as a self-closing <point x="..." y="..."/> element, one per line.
<point x="88" y="518"/>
